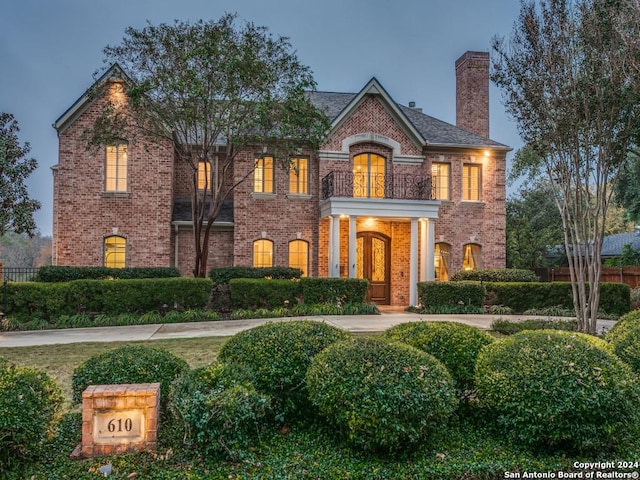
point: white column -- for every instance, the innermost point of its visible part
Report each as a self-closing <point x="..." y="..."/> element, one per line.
<point x="413" y="263"/>
<point x="330" y="248"/>
<point x="335" y="271"/>
<point x="352" y="246"/>
<point x="424" y="254"/>
<point x="431" y="249"/>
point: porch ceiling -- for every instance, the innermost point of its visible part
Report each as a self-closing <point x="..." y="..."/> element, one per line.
<point x="379" y="207"/>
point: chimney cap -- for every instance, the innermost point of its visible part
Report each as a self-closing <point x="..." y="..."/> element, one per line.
<point x="412" y="104"/>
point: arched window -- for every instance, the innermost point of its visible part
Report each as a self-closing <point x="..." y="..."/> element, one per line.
<point x="115" y="252"/>
<point x="471" y="256"/>
<point x="368" y="175"/>
<point x="299" y="255"/>
<point x="263" y="253"/>
<point x="441" y="261"/>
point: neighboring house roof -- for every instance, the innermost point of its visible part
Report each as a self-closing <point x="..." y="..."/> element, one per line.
<point x="433" y="131"/>
<point x="182" y="212"/>
<point x="612" y="244"/>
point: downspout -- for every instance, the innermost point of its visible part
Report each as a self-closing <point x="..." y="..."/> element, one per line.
<point x="175" y="247"/>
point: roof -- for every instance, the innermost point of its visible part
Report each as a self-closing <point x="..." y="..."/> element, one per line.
<point x="182" y="211"/>
<point x="612" y="244"/>
<point x="433" y="131"/>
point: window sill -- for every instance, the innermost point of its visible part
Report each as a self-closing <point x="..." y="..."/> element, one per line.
<point x="263" y="195"/>
<point x="472" y="202"/>
<point x="116" y="194"/>
<point x="299" y="196"/>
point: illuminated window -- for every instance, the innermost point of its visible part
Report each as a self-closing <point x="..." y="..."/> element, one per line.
<point x="368" y="175"/>
<point x="440" y="180"/>
<point x="471" y="182"/>
<point x="263" y="175"/>
<point x="204" y="175"/>
<point x="115" y="249"/>
<point x="116" y="168"/>
<point x="471" y="256"/>
<point x="441" y="261"/>
<point x="299" y="176"/>
<point x="263" y="253"/>
<point x="299" y="255"/>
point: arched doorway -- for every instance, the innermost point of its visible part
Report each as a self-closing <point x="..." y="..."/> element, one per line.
<point x="373" y="262"/>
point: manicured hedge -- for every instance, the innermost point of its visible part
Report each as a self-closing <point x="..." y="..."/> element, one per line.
<point x="624" y="336"/>
<point x="561" y="391"/>
<point x="53" y="273"/>
<point x="249" y="293"/>
<point x="445" y="294"/>
<point x="48" y="301"/>
<point x="495" y="275"/>
<point x="522" y="296"/>
<point x="226" y="274"/>
<point x="336" y="291"/>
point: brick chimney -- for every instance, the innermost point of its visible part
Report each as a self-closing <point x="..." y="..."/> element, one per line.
<point x="472" y="92"/>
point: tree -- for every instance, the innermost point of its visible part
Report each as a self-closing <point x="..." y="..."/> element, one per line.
<point x="21" y="250"/>
<point x="534" y="227"/>
<point x="627" y="191"/>
<point x="16" y="208"/>
<point x="212" y="89"/>
<point x="569" y="78"/>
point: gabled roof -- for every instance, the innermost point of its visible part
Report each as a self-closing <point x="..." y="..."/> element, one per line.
<point x="424" y="129"/>
<point x="113" y="73"/>
<point x="612" y="244"/>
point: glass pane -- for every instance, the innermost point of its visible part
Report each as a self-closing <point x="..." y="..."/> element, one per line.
<point x="262" y="253"/>
<point x="114" y="252"/>
<point x="378" y="260"/>
<point x="359" y="258"/>
<point x="298" y="255"/>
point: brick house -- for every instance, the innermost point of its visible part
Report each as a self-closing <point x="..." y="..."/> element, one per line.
<point x="393" y="195"/>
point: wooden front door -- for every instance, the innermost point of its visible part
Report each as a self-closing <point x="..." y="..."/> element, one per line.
<point x="373" y="253"/>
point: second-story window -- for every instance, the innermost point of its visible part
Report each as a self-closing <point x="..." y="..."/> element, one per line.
<point x="471" y="181"/>
<point x="440" y="181"/>
<point x="368" y="175"/>
<point x="116" y="168"/>
<point x="263" y="175"/>
<point x="299" y="176"/>
<point x="204" y="175"/>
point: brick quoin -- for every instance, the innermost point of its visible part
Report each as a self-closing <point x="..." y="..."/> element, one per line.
<point x="84" y="214"/>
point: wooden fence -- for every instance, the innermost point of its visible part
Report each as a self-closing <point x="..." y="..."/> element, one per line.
<point x="628" y="275"/>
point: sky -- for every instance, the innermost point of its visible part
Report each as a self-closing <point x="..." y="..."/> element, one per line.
<point x="50" y="49"/>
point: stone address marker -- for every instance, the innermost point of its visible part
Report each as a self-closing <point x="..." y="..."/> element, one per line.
<point x="119" y="418"/>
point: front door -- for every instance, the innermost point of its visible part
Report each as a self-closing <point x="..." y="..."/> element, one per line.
<point x="373" y="254"/>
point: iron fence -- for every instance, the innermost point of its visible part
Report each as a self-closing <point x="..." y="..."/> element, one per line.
<point x="17" y="274"/>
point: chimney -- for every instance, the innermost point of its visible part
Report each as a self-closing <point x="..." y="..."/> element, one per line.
<point x="472" y="92"/>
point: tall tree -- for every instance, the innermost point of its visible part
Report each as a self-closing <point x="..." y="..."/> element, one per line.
<point x="569" y="78"/>
<point x="627" y="191"/>
<point x="212" y="89"/>
<point x="16" y="208"/>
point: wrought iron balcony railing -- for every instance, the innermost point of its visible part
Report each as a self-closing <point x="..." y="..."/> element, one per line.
<point x="360" y="185"/>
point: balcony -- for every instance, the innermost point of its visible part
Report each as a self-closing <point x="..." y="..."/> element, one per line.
<point x="379" y="186"/>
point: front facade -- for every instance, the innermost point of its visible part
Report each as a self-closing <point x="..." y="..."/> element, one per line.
<point x="393" y="195"/>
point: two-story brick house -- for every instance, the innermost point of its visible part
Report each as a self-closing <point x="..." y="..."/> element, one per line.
<point x="393" y="195"/>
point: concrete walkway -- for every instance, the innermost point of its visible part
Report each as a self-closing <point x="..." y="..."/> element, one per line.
<point x="352" y="323"/>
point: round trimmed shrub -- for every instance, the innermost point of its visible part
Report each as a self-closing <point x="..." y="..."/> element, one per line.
<point x="624" y="337"/>
<point x="456" y="345"/>
<point x="384" y="396"/>
<point x="129" y="364"/>
<point x="219" y="408"/>
<point x="559" y="390"/>
<point x="30" y="405"/>
<point x="278" y="354"/>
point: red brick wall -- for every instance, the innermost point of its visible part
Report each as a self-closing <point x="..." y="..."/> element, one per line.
<point x="84" y="214"/>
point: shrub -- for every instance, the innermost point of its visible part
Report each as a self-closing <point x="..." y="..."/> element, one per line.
<point x="226" y="274"/>
<point x="559" y="390"/>
<point x="635" y="298"/>
<point x="624" y="336"/>
<point x="523" y="296"/>
<point x="278" y="354"/>
<point x="495" y="275"/>
<point x="129" y="364"/>
<point x="456" y="345"/>
<point x="30" y="405"/>
<point x="54" y="273"/>
<point x="249" y="293"/>
<point x="384" y="396"/>
<point x="455" y="295"/>
<point x="508" y="327"/>
<point x="219" y="409"/>
<point x="335" y="291"/>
